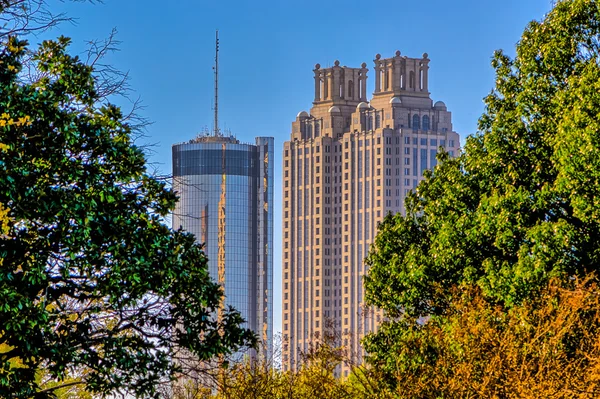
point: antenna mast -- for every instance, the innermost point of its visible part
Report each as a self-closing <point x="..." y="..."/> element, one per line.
<point x="216" y="132"/>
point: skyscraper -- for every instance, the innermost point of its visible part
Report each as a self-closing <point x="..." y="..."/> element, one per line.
<point x="225" y="193"/>
<point x="348" y="163"/>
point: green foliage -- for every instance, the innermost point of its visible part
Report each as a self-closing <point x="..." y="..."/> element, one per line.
<point x="519" y="206"/>
<point x="91" y="279"/>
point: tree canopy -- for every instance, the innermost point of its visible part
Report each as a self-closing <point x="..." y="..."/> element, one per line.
<point x="519" y="207"/>
<point x="93" y="284"/>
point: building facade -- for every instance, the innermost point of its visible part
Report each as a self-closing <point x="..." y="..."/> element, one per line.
<point x="348" y="163"/>
<point x="225" y="193"/>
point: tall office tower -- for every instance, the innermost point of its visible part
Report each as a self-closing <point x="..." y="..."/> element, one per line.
<point x="349" y="163"/>
<point x="225" y="193"/>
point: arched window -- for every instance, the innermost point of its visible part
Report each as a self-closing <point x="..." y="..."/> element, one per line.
<point x="411" y="79"/>
<point x="425" y="123"/>
<point x="370" y="123"/>
<point x="317" y="128"/>
<point x="377" y="121"/>
<point x="416" y="123"/>
<point x="350" y="89"/>
<point x="308" y="130"/>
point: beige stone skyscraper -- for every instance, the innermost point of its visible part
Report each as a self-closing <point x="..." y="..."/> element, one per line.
<point x="348" y="163"/>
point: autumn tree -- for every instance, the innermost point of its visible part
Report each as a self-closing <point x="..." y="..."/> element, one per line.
<point x="92" y="280"/>
<point x="518" y="208"/>
<point x="316" y="376"/>
<point x="546" y="347"/>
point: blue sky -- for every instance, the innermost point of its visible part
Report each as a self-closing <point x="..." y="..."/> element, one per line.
<point x="267" y="53"/>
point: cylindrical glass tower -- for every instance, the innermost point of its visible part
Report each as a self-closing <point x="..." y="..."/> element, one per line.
<point x="225" y="193"/>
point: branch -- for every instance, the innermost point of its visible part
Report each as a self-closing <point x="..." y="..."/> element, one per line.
<point x="54" y="388"/>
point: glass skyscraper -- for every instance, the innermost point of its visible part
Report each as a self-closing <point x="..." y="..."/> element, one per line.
<point x="225" y="193"/>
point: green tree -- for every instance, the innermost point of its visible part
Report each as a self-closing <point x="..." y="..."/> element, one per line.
<point x="93" y="284"/>
<point x="517" y="208"/>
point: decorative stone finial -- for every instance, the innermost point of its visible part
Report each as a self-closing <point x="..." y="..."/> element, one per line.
<point x="397" y="53"/>
<point x="377" y="56"/>
<point x="336" y="63"/>
<point x="425" y="55"/>
<point x="317" y="66"/>
<point x="363" y="65"/>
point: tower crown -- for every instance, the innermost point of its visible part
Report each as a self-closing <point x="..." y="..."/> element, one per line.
<point x="401" y="75"/>
<point x="340" y="85"/>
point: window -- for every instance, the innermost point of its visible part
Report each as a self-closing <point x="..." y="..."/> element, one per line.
<point x="416" y="123"/>
<point x="432" y="158"/>
<point x="426" y="123"/>
<point x="423" y="160"/>
<point x="407" y="150"/>
<point x="377" y="121"/>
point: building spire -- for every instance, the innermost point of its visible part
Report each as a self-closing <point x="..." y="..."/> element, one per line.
<point x="216" y="130"/>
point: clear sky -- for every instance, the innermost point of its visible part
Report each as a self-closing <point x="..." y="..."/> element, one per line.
<point x="268" y="51"/>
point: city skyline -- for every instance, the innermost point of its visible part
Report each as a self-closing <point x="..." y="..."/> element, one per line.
<point x="279" y="47"/>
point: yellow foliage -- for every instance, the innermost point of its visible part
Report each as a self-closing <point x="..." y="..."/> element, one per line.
<point x="13" y="362"/>
<point x="5" y="223"/>
<point x="5" y="119"/>
<point x="545" y="348"/>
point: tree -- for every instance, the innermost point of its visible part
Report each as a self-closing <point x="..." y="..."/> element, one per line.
<point x="22" y="17"/>
<point x="546" y="347"/>
<point x="92" y="282"/>
<point x="314" y="378"/>
<point x="518" y="207"/>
